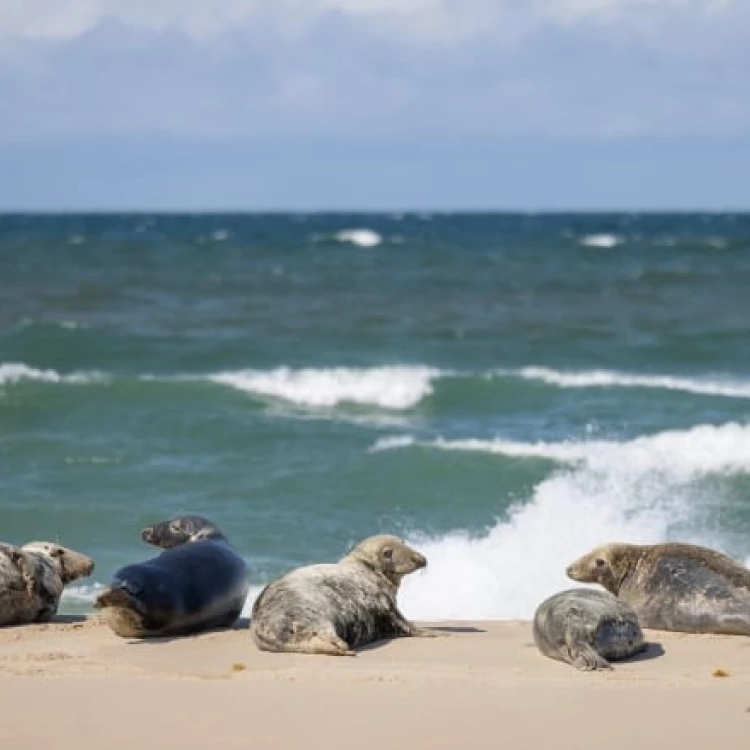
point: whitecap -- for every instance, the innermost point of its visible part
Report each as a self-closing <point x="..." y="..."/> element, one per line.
<point x="391" y="387"/>
<point x="610" y="378"/>
<point x="360" y="237"/>
<point x="82" y="593"/>
<point x="15" y="372"/>
<point x="601" y="240"/>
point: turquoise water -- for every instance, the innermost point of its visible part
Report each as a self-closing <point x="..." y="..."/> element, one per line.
<point x="506" y="391"/>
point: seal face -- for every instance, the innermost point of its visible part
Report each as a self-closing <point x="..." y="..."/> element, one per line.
<point x="672" y="586"/>
<point x="197" y="583"/>
<point x="586" y="628"/>
<point x="32" y="579"/>
<point x="333" y="608"/>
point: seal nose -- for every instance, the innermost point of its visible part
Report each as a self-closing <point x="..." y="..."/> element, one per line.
<point x="147" y="533"/>
<point x="420" y="561"/>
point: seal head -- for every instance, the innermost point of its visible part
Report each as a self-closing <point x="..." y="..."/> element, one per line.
<point x="179" y="530"/>
<point x="69" y="564"/>
<point x="388" y="556"/>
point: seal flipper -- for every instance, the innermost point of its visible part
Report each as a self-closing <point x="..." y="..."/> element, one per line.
<point x="120" y="595"/>
<point x="585" y="658"/>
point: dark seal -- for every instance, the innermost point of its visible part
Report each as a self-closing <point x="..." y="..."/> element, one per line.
<point x="198" y="583"/>
<point x="673" y="586"/>
<point x="586" y="628"/>
<point x="333" y="608"/>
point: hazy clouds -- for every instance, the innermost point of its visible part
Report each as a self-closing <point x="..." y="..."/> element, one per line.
<point x="580" y="68"/>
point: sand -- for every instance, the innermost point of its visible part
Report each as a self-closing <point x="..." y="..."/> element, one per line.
<point x="73" y="684"/>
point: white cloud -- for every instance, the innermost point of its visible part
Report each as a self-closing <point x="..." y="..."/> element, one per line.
<point x="410" y="19"/>
<point x="218" y="68"/>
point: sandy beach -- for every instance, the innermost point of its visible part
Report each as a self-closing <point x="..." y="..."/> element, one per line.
<point x="73" y="683"/>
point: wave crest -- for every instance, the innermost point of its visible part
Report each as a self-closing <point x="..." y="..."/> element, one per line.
<point x="396" y="387"/>
<point x="613" y="378"/>
<point x="15" y="372"/>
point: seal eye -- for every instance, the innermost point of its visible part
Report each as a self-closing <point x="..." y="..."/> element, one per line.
<point x="599" y="562"/>
<point x="388" y="553"/>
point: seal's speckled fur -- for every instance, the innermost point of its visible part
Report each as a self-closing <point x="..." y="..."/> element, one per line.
<point x="585" y="628"/>
<point x="337" y="607"/>
<point x="673" y="586"/>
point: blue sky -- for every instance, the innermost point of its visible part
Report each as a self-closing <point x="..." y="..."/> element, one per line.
<point x="374" y="104"/>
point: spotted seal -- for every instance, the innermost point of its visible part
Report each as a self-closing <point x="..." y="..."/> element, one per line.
<point x="672" y="586"/>
<point x="333" y="608"/>
<point x="585" y="628"/>
<point x="197" y="583"/>
<point x="32" y="579"/>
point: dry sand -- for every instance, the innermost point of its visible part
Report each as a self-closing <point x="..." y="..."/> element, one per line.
<point x="73" y="684"/>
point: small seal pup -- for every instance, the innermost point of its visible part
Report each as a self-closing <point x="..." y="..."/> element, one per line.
<point x="32" y="579"/>
<point x="585" y="628"/>
<point x="672" y="586"/>
<point x="197" y="583"/>
<point x="332" y="608"/>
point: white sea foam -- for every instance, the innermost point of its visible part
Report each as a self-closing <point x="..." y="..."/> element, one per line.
<point x="361" y="237"/>
<point x="611" y="379"/>
<point x="394" y="387"/>
<point x="601" y="240"/>
<point x="640" y="491"/>
<point x="15" y="372"/>
<point x="395" y="441"/>
<point x="82" y="593"/>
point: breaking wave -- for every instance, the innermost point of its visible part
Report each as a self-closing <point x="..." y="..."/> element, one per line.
<point x="643" y="491"/>
<point x="614" y="379"/>
<point x="15" y="372"/>
<point x="396" y="387"/>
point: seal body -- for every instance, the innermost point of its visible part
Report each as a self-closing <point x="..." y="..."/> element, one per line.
<point x="197" y="583"/>
<point x="32" y="579"/>
<point x="334" y="608"/>
<point x="586" y="628"/>
<point x="673" y="586"/>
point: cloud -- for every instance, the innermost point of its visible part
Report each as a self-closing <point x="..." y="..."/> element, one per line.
<point x="407" y="19"/>
<point x="374" y="68"/>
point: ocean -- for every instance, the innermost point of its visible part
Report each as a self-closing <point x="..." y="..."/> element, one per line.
<point x="505" y="391"/>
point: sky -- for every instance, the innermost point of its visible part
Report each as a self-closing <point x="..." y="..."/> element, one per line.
<point x="374" y="104"/>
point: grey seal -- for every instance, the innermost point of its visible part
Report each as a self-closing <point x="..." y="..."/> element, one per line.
<point x="197" y="583"/>
<point x="333" y="608"/>
<point x="672" y="586"/>
<point x="586" y="628"/>
<point x="32" y="579"/>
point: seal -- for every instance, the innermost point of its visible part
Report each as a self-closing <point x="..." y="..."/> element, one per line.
<point x="32" y="579"/>
<point x="585" y="628"/>
<point x="197" y="583"/>
<point x="333" y="608"/>
<point x="672" y="586"/>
